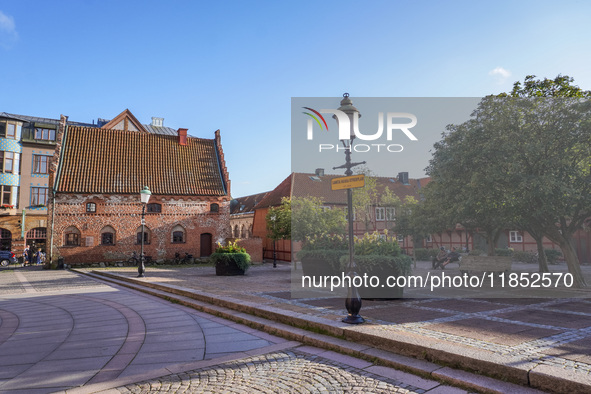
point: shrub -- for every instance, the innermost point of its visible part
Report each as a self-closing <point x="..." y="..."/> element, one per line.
<point x="231" y="247"/>
<point x="504" y="252"/>
<point x="330" y="257"/>
<point x="477" y="252"/>
<point x="552" y="255"/>
<point x="380" y="264"/>
<point x="526" y="257"/>
<point x="373" y="244"/>
<point x="327" y="242"/>
<point x="425" y="254"/>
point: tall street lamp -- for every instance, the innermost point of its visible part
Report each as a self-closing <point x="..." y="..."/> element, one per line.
<point x="353" y="300"/>
<point x="145" y="197"/>
<point x="274" y="218"/>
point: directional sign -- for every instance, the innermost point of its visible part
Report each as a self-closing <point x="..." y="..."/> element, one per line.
<point x="348" y="182"/>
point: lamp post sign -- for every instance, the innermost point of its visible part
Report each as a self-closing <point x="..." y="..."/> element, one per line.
<point x="348" y="182"/>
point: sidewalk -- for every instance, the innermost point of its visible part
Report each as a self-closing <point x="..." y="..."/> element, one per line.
<point x="538" y="343"/>
<point x="64" y="332"/>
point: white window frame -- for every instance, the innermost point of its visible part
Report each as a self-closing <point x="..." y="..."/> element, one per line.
<point x="400" y="238"/>
<point x="429" y="238"/>
<point x="390" y="214"/>
<point x="515" y="237"/>
<point x="380" y="214"/>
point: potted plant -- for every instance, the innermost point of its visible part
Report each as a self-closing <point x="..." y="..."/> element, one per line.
<point x="230" y="260"/>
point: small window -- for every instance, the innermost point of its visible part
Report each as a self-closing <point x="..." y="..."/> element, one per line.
<point x="91" y="207"/>
<point x="146" y="235"/>
<point x="108" y="236"/>
<point x="154" y="208"/>
<point x="214" y="207"/>
<point x="44" y="134"/>
<point x="39" y="196"/>
<point x="400" y="238"/>
<point x="515" y="236"/>
<point x="390" y="214"/>
<point x="178" y="235"/>
<point x="429" y="238"/>
<point x="380" y="214"/>
<point x="10" y="130"/>
<point x="108" y="239"/>
<point x="72" y="236"/>
<point x="40" y="164"/>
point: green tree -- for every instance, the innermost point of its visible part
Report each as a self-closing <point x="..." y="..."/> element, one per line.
<point x="279" y="221"/>
<point x="524" y="160"/>
<point x="309" y="218"/>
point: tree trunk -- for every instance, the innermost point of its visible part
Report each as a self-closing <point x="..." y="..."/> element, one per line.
<point x="542" y="261"/>
<point x="570" y="255"/>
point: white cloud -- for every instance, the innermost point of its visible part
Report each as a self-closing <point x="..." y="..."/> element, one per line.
<point x="8" y="34"/>
<point x="500" y="73"/>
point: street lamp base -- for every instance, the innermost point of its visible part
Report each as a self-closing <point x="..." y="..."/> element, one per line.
<point x="141" y="276"/>
<point x="353" y="319"/>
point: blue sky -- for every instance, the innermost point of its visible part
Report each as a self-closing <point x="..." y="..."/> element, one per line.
<point x="235" y="66"/>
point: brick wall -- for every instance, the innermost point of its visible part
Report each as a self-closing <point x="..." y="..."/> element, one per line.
<point x="254" y="247"/>
<point x="123" y="214"/>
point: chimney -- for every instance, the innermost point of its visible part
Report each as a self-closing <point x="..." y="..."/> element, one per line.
<point x="319" y="172"/>
<point x="158" y="122"/>
<point x="182" y="136"/>
<point x="403" y="178"/>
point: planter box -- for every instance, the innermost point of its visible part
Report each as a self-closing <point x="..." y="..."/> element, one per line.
<point x="226" y="263"/>
<point x="222" y="269"/>
<point x="315" y="266"/>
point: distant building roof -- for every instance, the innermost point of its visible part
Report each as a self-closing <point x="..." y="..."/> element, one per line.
<point x="96" y="160"/>
<point x="36" y="119"/>
<point x="313" y="185"/>
<point x="246" y="204"/>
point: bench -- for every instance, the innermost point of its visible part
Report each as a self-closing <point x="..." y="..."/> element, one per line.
<point x="485" y="264"/>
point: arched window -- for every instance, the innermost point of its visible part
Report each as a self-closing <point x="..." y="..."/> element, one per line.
<point x="108" y="236"/>
<point x="242" y="233"/>
<point x="71" y="236"/>
<point x="250" y="231"/>
<point x="178" y="235"/>
<point x="154" y="208"/>
<point x="90" y="207"/>
<point x="147" y="235"/>
<point x="236" y="231"/>
<point x="214" y="207"/>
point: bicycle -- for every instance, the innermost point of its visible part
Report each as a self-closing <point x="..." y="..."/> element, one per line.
<point x="185" y="260"/>
<point x="134" y="260"/>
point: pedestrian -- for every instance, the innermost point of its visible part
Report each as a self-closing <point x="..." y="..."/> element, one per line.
<point x="40" y="257"/>
<point x="453" y="256"/>
<point x="440" y="258"/>
<point x="26" y="256"/>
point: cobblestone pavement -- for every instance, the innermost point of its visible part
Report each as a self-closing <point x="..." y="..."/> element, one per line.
<point x="280" y="372"/>
<point x="527" y="333"/>
<point x="61" y="331"/>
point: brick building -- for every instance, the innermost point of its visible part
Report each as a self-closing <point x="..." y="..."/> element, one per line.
<point x="95" y="213"/>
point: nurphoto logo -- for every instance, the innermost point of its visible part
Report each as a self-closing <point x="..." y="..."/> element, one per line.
<point x="345" y="129"/>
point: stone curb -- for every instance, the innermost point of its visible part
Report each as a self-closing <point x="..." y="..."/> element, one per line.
<point x="413" y="354"/>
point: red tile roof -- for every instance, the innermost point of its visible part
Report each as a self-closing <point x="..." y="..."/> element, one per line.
<point x="246" y="204"/>
<point x="95" y="160"/>
<point x="311" y="185"/>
